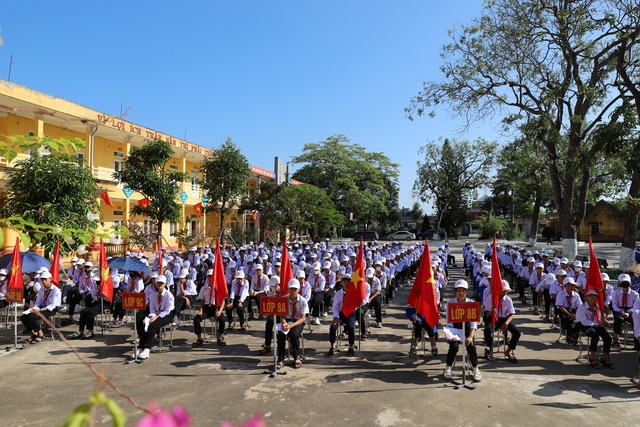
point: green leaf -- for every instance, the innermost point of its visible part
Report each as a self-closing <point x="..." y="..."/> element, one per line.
<point x="80" y="417"/>
<point x="118" y="417"/>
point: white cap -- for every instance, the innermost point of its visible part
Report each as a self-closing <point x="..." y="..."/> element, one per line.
<point x="183" y="273"/>
<point x="240" y="274"/>
<point x="569" y="281"/>
<point x="550" y="278"/>
<point x="293" y="284"/>
<point x="210" y="272"/>
<point x="88" y="264"/>
<point x="505" y="286"/>
<point x="154" y="275"/>
<point x="74" y="259"/>
<point x="259" y="267"/>
<point x="539" y="265"/>
<point x="561" y="273"/>
<point x="300" y="274"/>
<point x="45" y="275"/>
<point x="274" y="281"/>
<point x="460" y="283"/>
<point x="624" y="278"/>
<point x="577" y="263"/>
<point x="161" y="279"/>
<point x="370" y="272"/>
<point x="3" y="272"/>
<point x="605" y="276"/>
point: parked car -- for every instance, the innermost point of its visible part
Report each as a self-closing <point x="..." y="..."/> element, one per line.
<point x="402" y="235"/>
<point x="366" y="235"/>
<point x="440" y="235"/>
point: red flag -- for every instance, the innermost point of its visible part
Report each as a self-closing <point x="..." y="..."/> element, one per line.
<point x="594" y="279"/>
<point x="286" y="273"/>
<point x="254" y="214"/>
<point x="496" y="281"/>
<point x="357" y="288"/>
<point x="106" y="285"/>
<point x="197" y="209"/>
<point x="144" y="203"/>
<point x="218" y="279"/>
<point x="15" y="287"/>
<point x="105" y="197"/>
<point x="55" y="266"/>
<point x="423" y="295"/>
<point x="160" y="259"/>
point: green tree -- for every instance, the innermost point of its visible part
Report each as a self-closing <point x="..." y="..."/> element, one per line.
<point x="548" y="62"/>
<point x="449" y="176"/>
<point x="357" y="181"/>
<point x="267" y="201"/>
<point x="50" y="195"/>
<point x="308" y="207"/>
<point x="489" y="226"/>
<point x="225" y="172"/>
<point x="146" y="171"/>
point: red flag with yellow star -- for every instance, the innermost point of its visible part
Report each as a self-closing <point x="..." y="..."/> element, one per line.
<point x="423" y="295"/>
<point x="55" y="266"/>
<point x="106" y="285"/>
<point x="357" y="290"/>
<point x="286" y="273"/>
<point x="15" y="287"/>
<point x="594" y="279"/>
<point x="496" y="281"/>
<point x="218" y="280"/>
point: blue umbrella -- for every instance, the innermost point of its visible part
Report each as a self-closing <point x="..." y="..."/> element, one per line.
<point x="129" y="264"/>
<point x="31" y="262"/>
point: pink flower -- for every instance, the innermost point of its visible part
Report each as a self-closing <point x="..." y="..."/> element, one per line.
<point x="256" y="421"/>
<point x="179" y="417"/>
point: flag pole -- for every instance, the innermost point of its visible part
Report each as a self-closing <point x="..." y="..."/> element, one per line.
<point x="15" y="330"/>
<point x="466" y="384"/>
<point x="275" y="372"/>
<point x="135" y="344"/>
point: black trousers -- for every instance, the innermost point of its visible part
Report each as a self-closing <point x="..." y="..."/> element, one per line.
<point x="513" y="330"/>
<point x="250" y="300"/>
<point x="268" y="330"/>
<point x="316" y="301"/>
<point x="419" y="325"/>
<point x="31" y="321"/>
<point x="453" y="351"/>
<point x="328" y="296"/>
<point x="294" y="338"/>
<point x="181" y="303"/>
<point x="618" y="320"/>
<point x="521" y="287"/>
<point x="595" y="333"/>
<point x="361" y="315"/>
<point x="568" y="324"/>
<point x="209" y="311"/>
<point x="547" y="301"/>
<point x="73" y="298"/>
<point x="88" y="315"/>
<point x="376" y="304"/>
<point x="349" y="325"/>
<point x="146" y="337"/>
<point x="239" y="312"/>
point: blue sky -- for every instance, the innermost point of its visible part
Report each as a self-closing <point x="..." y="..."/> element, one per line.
<point x="272" y="75"/>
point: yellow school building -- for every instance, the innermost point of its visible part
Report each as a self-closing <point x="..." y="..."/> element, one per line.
<point x="24" y="111"/>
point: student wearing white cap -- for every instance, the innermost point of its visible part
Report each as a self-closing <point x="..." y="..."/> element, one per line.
<point x="47" y="303"/>
<point x="257" y="288"/>
<point x="93" y="302"/>
<point x="237" y="296"/>
<point x="461" y="288"/>
<point x="291" y="325"/>
<point x="534" y="280"/>
<point x="305" y="287"/>
<point x="272" y="290"/>
<point x="208" y="308"/>
<point x="339" y="318"/>
<point x="185" y="294"/>
<point x="505" y="312"/>
<point x="594" y="325"/>
<point x="622" y="302"/>
<point x="567" y="303"/>
<point x="317" y="283"/>
<point x="161" y="305"/>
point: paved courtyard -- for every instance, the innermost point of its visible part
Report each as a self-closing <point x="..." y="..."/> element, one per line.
<point x="380" y="386"/>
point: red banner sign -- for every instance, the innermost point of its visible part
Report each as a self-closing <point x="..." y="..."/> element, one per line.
<point x="458" y="312"/>
<point x="134" y="301"/>
<point x="15" y="294"/>
<point x="274" y="306"/>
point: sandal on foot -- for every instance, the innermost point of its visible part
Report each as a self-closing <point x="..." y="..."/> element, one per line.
<point x="198" y="343"/>
<point x="66" y="322"/>
<point x="265" y="350"/>
<point x="221" y="342"/>
<point x="297" y="364"/>
<point x="607" y="363"/>
<point x="616" y="344"/>
<point x="594" y="364"/>
<point x="280" y="364"/>
<point x="35" y="340"/>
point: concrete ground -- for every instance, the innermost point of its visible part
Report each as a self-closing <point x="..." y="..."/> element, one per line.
<point x="380" y="386"/>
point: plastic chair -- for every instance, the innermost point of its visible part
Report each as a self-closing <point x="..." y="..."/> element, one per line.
<point x="161" y="334"/>
<point x="583" y="355"/>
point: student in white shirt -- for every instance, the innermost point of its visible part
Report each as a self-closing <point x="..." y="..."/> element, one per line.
<point x="594" y="325"/>
<point x="292" y="324"/>
<point x="505" y="312"/>
<point x="237" y="296"/>
<point x="339" y="318"/>
<point x="567" y="303"/>
<point x="161" y="306"/>
<point x="208" y="308"/>
<point x="47" y="302"/>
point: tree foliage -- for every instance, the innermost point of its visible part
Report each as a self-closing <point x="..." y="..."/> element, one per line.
<point x="225" y="173"/>
<point x="357" y="181"/>
<point x="449" y="175"/>
<point x="146" y="171"/>
<point x="50" y="195"/>
<point x="550" y="63"/>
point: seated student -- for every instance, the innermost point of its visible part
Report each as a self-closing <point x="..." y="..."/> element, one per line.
<point x="47" y="302"/>
<point x="608" y="293"/>
<point x="160" y="309"/>
<point x="238" y="295"/>
<point x="622" y="302"/>
<point x="3" y="288"/>
<point x="273" y="290"/>
<point x="544" y="291"/>
<point x="556" y="286"/>
<point x="505" y="311"/>
<point x="93" y="306"/>
<point x="420" y="323"/>
<point x="317" y="283"/>
<point x="185" y="294"/>
<point x="329" y="286"/>
<point x="207" y="298"/>
<point x="339" y="318"/>
<point x="567" y="303"/>
<point x="258" y="287"/>
<point x="461" y="288"/>
<point x="594" y="325"/>
<point x="292" y="324"/>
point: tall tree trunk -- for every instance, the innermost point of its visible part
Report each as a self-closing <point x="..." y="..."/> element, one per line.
<point x="535" y="216"/>
<point x="627" y="255"/>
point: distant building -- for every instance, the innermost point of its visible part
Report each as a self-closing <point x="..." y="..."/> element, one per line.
<point x="603" y="222"/>
<point x="406" y="220"/>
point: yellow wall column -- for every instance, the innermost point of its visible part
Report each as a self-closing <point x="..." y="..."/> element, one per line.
<point x="39" y="119"/>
